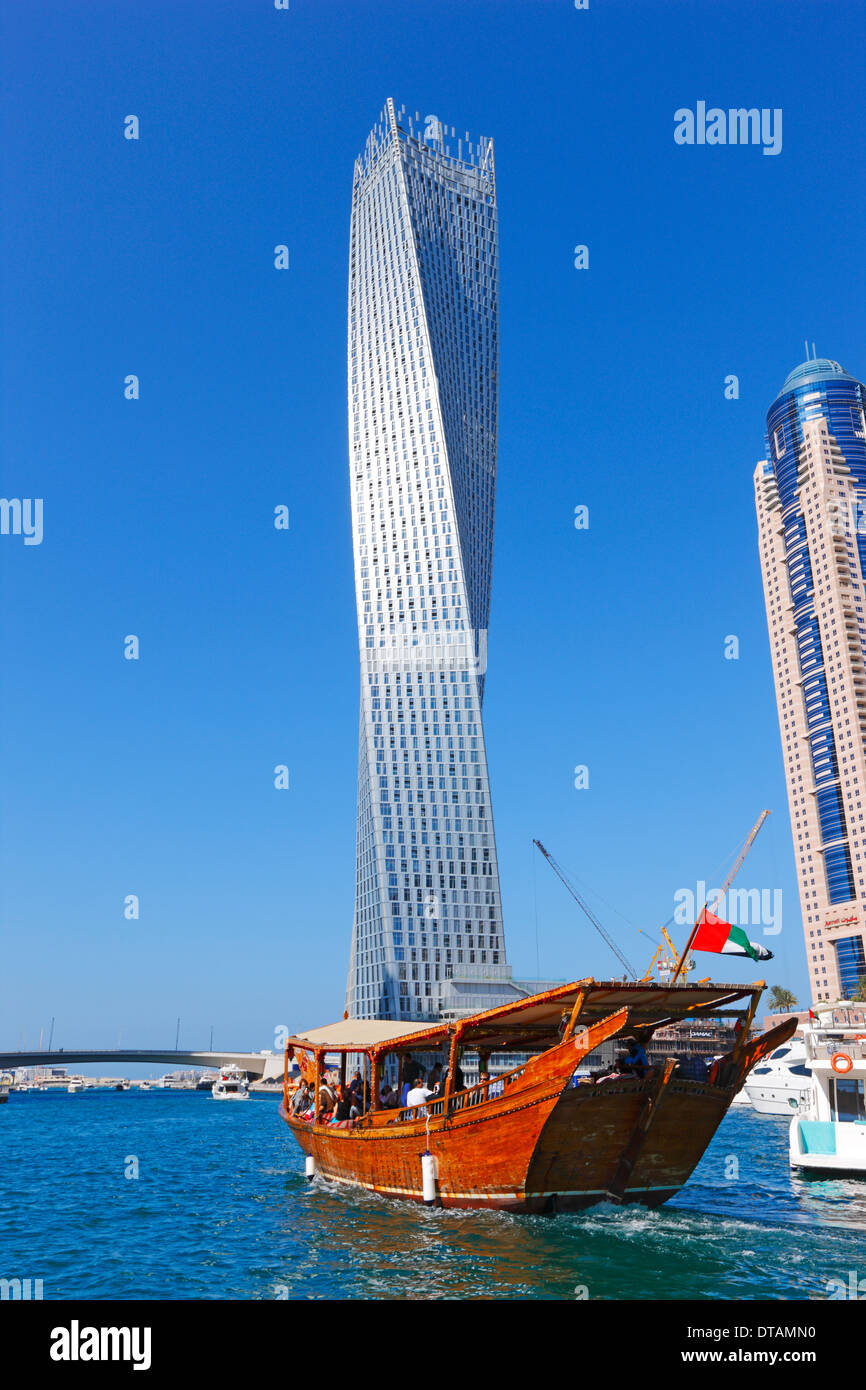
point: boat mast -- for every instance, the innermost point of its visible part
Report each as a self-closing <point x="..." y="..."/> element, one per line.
<point x="738" y="864"/>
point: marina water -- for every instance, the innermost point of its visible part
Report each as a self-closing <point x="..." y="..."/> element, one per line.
<point x="221" y="1209"/>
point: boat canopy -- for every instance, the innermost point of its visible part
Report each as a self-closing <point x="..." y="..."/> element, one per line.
<point x="534" y="1023"/>
<point x="359" y="1034"/>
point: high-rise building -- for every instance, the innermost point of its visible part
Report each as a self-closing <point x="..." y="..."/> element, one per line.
<point x="810" y="493"/>
<point x="427" y="938"/>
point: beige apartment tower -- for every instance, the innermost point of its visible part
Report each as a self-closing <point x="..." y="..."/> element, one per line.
<point x="810" y="495"/>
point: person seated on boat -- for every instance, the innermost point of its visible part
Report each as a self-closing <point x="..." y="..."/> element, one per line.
<point x="327" y="1096"/>
<point x="435" y="1077"/>
<point x="419" y="1094"/>
<point x="692" y="1068"/>
<point x="302" y="1099"/>
<point x="480" y="1093"/>
<point x="359" y="1102"/>
<point x="388" y="1098"/>
<point x="635" y="1061"/>
<point x="411" y="1073"/>
<point x="344" y="1108"/>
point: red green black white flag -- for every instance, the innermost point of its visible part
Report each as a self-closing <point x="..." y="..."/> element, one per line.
<point x="724" y="939"/>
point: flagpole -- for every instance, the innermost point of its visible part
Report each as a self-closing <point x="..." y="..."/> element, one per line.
<point x="685" y="953"/>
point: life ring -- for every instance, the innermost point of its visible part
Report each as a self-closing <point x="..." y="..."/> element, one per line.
<point x="841" y="1063"/>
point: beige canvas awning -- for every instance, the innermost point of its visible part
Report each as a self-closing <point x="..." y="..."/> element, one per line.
<point x="360" y="1033"/>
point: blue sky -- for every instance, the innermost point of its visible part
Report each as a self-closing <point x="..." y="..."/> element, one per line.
<point x="606" y="646"/>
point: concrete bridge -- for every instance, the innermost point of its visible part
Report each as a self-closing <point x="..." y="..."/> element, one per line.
<point x="258" y="1064"/>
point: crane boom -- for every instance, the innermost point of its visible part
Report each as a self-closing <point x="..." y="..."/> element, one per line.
<point x="605" y="936"/>
<point x="738" y="863"/>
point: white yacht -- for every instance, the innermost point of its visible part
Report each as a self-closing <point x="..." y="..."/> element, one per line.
<point x="6" y="1083"/>
<point x="231" y="1084"/>
<point x="76" y="1084"/>
<point x="777" y="1086"/>
<point x="828" y="1132"/>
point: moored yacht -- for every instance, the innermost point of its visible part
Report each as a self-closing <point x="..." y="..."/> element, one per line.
<point x="231" y="1084"/>
<point x="782" y="1080"/>
<point x="828" y="1132"/>
<point x="6" y="1082"/>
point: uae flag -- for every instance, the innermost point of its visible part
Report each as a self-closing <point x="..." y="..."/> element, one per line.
<point x="715" y="935"/>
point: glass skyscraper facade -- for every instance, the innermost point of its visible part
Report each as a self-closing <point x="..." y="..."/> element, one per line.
<point x="427" y="935"/>
<point x="810" y="493"/>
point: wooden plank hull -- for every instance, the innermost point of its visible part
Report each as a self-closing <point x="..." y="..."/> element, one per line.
<point x="559" y="1151"/>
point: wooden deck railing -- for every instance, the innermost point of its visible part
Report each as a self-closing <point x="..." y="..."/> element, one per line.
<point x="461" y="1100"/>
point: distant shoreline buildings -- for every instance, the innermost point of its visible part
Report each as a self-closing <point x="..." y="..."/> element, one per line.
<point x="810" y="495"/>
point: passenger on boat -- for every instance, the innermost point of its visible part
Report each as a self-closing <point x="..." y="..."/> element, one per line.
<point x="302" y="1099"/>
<point x="388" y="1097"/>
<point x="413" y="1074"/>
<point x="435" y="1077"/>
<point x="635" y="1062"/>
<point x="344" y="1108"/>
<point x="327" y="1097"/>
<point x="692" y="1068"/>
<point x="419" y="1095"/>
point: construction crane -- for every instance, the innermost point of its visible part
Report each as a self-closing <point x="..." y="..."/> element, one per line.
<point x="738" y="863"/>
<point x="605" y="936"/>
<point x="666" y="956"/>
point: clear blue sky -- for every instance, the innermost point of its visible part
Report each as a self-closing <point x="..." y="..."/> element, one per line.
<point x="606" y="648"/>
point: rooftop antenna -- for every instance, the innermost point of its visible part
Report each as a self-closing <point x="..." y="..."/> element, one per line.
<point x="814" y="353"/>
<point x="806" y="346"/>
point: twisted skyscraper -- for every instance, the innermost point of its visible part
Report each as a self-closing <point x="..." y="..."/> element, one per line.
<point x="810" y="493"/>
<point x="427" y="937"/>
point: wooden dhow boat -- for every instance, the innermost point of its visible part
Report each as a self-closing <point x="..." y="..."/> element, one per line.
<point x="536" y="1138"/>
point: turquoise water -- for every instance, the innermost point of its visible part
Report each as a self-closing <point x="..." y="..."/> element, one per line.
<point x="220" y="1209"/>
